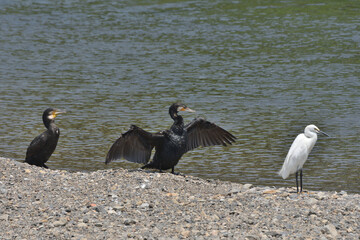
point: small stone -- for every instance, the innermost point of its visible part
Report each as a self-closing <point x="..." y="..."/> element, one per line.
<point x="246" y="187"/>
<point x="252" y="237"/>
<point x="144" y="205"/>
<point x="185" y="233"/>
<point x="118" y="207"/>
<point x="214" y="233"/>
<point x="270" y="191"/>
<point x="98" y="224"/>
<point x="331" y="229"/>
<point x="312" y="201"/>
<point x="4" y="217"/>
<point x="344" y="193"/>
<point x="275" y="234"/>
<point x="60" y="222"/>
<point x="321" y="195"/>
<point x="82" y="225"/>
<point x="100" y="209"/>
<point x="234" y="191"/>
<point x="128" y="222"/>
<point x="172" y="194"/>
<point x="111" y="211"/>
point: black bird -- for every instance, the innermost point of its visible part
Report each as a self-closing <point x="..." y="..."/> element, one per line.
<point x="41" y="148"/>
<point x="136" y="144"/>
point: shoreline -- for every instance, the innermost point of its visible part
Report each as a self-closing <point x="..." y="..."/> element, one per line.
<point x="120" y="204"/>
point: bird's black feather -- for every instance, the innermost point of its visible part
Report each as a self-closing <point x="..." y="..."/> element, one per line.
<point x="136" y="144"/>
<point x="204" y="133"/>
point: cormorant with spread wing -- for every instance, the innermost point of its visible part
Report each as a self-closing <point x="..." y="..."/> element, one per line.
<point x="41" y="148"/>
<point x="136" y="144"/>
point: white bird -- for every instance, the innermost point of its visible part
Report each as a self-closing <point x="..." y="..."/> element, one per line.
<point x="299" y="152"/>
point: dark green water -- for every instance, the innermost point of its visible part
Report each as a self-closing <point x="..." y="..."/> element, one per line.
<point x="261" y="69"/>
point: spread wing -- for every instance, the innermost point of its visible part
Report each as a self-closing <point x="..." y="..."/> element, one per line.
<point x="204" y="133"/>
<point x="135" y="145"/>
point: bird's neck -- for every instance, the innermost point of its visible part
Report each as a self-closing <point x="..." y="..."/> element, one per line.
<point x="310" y="134"/>
<point x="174" y="115"/>
<point x="178" y="120"/>
<point x="178" y="124"/>
<point x="50" y="124"/>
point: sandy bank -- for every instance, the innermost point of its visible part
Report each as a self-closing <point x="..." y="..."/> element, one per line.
<point x="116" y="204"/>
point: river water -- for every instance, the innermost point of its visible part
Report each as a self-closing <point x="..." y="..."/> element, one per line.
<point x="261" y="69"/>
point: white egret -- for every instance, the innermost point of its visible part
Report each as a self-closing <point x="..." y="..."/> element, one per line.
<point x="299" y="152"/>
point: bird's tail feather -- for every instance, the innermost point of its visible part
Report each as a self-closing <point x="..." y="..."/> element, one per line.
<point x="284" y="173"/>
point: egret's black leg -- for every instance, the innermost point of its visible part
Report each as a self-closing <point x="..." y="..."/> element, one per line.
<point x="297" y="185"/>
<point x="172" y="170"/>
<point x="301" y="180"/>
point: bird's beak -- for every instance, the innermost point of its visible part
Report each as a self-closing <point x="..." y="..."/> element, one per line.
<point x="57" y="111"/>
<point x="324" y="133"/>
<point x="188" y="109"/>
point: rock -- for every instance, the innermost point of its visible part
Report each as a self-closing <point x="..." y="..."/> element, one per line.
<point x="185" y="233"/>
<point x="118" y="207"/>
<point x="106" y="204"/>
<point x="100" y="209"/>
<point x="60" y="222"/>
<point x="129" y="222"/>
<point x="252" y="237"/>
<point x="234" y="190"/>
<point x="320" y="195"/>
<point x="98" y="224"/>
<point x="270" y="191"/>
<point x="275" y="234"/>
<point x="331" y="229"/>
<point x="172" y="194"/>
<point x="246" y="187"/>
<point x="144" y="205"/>
<point x="111" y="211"/>
<point x="82" y="225"/>
<point x="4" y="217"/>
<point x="312" y="201"/>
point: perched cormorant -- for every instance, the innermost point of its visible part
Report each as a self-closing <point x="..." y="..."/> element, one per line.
<point x="41" y="148"/>
<point x="136" y="144"/>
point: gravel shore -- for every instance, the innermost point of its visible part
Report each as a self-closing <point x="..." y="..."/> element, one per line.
<point x="41" y="203"/>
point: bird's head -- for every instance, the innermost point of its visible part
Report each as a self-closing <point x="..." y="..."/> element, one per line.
<point x="51" y="113"/>
<point x="178" y="107"/>
<point x="315" y="129"/>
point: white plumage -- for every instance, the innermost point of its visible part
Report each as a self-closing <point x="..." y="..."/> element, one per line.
<point x="299" y="152"/>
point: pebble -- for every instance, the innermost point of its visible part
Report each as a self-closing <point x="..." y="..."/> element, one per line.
<point x="4" y="217"/>
<point x="312" y="201"/>
<point x="331" y="229"/>
<point x="122" y="204"/>
<point x="129" y="222"/>
<point x="82" y="225"/>
<point x="60" y="222"/>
